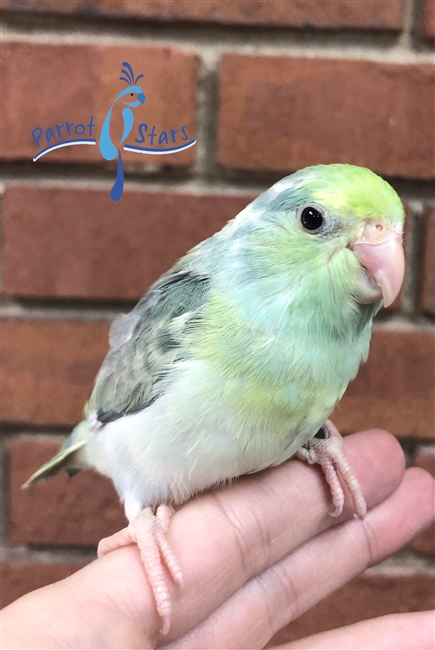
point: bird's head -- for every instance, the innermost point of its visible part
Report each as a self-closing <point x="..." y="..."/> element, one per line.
<point x="335" y="221"/>
<point x="133" y="95"/>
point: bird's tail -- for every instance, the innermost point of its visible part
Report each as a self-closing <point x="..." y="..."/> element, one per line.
<point x="70" y="459"/>
<point x="118" y="185"/>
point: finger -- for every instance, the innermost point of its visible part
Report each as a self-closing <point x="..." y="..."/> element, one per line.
<point x="395" y="632"/>
<point x="237" y="533"/>
<point x="53" y="617"/>
<point x="224" y="538"/>
<point x="318" y="568"/>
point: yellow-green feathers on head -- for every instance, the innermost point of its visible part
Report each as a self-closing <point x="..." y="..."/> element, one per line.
<point x="347" y="190"/>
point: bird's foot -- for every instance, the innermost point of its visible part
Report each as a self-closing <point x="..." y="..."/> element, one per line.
<point x="326" y="449"/>
<point x="148" y="531"/>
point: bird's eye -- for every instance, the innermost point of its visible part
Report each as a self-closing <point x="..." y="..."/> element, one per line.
<point x="312" y="218"/>
<point x="132" y="94"/>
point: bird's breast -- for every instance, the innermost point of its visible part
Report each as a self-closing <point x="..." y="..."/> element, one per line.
<point x="280" y="378"/>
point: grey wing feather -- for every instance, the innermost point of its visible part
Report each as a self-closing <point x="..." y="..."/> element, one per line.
<point x="145" y="343"/>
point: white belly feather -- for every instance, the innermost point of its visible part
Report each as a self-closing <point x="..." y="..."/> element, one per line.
<point x="183" y="443"/>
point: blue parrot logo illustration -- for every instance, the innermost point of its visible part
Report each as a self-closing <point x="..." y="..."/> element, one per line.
<point x="169" y="140"/>
<point x="108" y="150"/>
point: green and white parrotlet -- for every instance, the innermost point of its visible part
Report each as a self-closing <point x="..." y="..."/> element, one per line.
<point x="234" y="359"/>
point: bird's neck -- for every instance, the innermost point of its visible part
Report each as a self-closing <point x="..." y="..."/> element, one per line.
<point x="303" y="300"/>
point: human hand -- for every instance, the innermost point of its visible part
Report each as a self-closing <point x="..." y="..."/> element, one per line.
<point x="255" y="555"/>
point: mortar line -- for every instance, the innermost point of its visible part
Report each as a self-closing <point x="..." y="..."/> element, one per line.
<point x="202" y="38"/>
<point x="220" y="181"/>
<point x="49" y="554"/>
<point x="84" y="312"/>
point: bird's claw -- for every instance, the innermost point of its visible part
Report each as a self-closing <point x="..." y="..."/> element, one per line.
<point x="148" y="531"/>
<point x="326" y="449"/>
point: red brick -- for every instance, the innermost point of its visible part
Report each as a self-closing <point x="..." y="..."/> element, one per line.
<point x="427" y="298"/>
<point x="280" y="113"/>
<point x="17" y="578"/>
<point x="429" y="19"/>
<point x="61" y="511"/>
<point x="87" y="248"/>
<point x="394" y="390"/>
<point x="370" y="595"/>
<point x="324" y="14"/>
<point x="48" y="368"/>
<point x="49" y="84"/>
<point x="425" y="542"/>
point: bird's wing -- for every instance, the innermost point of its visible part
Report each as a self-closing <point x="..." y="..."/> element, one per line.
<point x="145" y="344"/>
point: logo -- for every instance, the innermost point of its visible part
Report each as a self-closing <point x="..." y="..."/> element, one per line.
<point x="69" y="133"/>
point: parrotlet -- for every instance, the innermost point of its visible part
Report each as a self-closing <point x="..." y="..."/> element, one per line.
<point x="234" y="359"/>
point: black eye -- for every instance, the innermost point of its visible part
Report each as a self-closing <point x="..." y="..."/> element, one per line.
<point x="132" y="94"/>
<point x="311" y="218"/>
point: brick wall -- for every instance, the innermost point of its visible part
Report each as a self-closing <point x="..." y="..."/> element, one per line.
<point x="267" y="87"/>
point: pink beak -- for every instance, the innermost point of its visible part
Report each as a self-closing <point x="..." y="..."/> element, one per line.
<point x="380" y="251"/>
